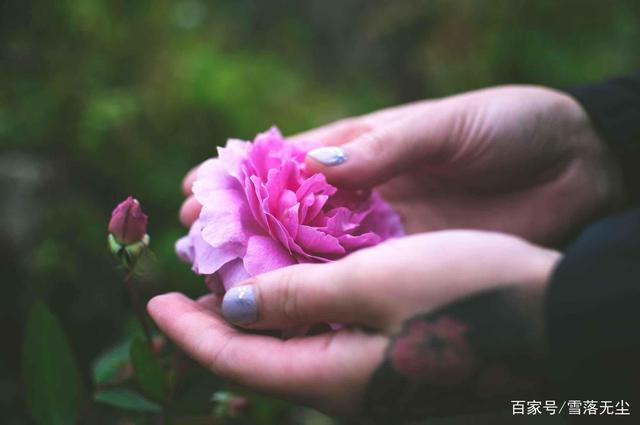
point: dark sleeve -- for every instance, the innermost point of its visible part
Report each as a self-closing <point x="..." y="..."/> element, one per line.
<point x="614" y="108"/>
<point x="593" y="314"/>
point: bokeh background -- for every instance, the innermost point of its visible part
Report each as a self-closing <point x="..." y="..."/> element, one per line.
<point x="100" y="99"/>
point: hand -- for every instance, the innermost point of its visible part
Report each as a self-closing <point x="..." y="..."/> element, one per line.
<point x="517" y="159"/>
<point x="424" y="276"/>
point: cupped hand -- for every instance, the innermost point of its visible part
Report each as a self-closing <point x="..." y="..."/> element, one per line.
<point x="374" y="291"/>
<point x="517" y="159"/>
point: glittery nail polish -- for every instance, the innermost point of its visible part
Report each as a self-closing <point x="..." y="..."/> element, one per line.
<point x="329" y="155"/>
<point x="239" y="305"/>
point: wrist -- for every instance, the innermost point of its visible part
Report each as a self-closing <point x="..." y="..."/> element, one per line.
<point x="541" y="266"/>
<point x="607" y="187"/>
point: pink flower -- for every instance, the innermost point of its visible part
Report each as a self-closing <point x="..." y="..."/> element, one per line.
<point x="435" y="352"/>
<point x="237" y="405"/>
<point x="261" y="210"/>
<point x="128" y="223"/>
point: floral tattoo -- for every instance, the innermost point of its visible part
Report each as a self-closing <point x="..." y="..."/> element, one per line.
<point x="469" y="356"/>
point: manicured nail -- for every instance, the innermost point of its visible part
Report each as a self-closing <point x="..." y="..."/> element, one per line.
<point x="239" y="305"/>
<point x="329" y="155"/>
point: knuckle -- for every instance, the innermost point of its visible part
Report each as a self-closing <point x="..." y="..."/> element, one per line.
<point x="216" y="363"/>
<point x="376" y="139"/>
<point x="290" y="293"/>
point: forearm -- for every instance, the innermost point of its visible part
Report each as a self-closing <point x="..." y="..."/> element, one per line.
<point x="470" y="356"/>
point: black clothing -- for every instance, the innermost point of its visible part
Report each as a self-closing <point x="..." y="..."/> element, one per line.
<point x="593" y="301"/>
<point x="614" y="109"/>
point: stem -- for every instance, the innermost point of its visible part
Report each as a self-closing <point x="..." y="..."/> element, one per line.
<point x="84" y="410"/>
<point x="159" y="419"/>
<point x="135" y="301"/>
<point x="178" y="365"/>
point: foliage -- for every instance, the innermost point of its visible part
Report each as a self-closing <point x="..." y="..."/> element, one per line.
<point x="52" y="378"/>
<point x="100" y="99"/>
<point x="148" y="370"/>
<point x="127" y="399"/>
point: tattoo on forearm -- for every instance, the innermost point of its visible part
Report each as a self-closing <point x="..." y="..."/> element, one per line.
<point x="468" y="356"/>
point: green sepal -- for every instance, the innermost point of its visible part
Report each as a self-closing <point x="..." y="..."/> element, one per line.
<point x="134" y="250"/>
<point x="114" y="246"/>
<point x="128" y="254"/>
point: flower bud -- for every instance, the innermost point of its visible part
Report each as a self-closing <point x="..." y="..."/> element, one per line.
<point x="229" y="405"/>
<point x="237" y="405"/>
<point x="128" y="223"/>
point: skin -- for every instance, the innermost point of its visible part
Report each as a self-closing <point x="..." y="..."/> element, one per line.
<point x="331" y="371"/>
<point x="521" y="160"/>
<point x="524" y="160"/>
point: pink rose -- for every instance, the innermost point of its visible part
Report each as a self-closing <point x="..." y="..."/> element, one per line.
<point x="435" y="352"/>
<point x="261" y="210"/>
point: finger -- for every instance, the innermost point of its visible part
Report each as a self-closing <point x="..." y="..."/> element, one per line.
<point x="266" y="363"/>
<point x="342" y="131"/>
<point x="189" y="211"/>
<point x="212" y="302"/>
<point x="303" y="294"/>
<point x="187" y="182"/>
<point x="384" y="152"/>
<point x="250" y="359"/>
<point x="336" y="133"/>
<point x="393" y="113"/>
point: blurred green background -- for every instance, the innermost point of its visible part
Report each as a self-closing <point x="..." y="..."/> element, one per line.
<point x="101" y="99"/>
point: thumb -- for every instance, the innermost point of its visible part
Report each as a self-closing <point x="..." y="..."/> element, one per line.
<point x="301" y="294"/>
<point x="381" y="153"/>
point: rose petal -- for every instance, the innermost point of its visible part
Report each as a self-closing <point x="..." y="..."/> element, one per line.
<point x="226" y="216"/>
<point x="214" y="283"/>
<point x="233" y="273"/>
<point x="264" y="254"/>
<point x="209" y="259"/>
<point x="316" y="241"/>
<point x="212" y="175"/>
<point x="279" y="233"/>
<point x="341" y="221"/>
<point x="382" y="220"/>
<point x="290" y="220"/>
<point x="314" y="210"/>
<point x="232" y="155"/>
<point x="317" y="183"/>
<point x="352" y="242"/>
<point x="185" y="250"/>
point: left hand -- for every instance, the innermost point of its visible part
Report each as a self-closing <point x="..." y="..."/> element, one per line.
<point x="524" y="160"/>
<point x="378" y="288"/>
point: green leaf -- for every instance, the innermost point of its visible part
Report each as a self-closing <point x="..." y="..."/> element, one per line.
<point x="110" y="364"/>
<point x="52" y="378"/>
<point x="149" y="373"/>
<point x="127" y="399"/>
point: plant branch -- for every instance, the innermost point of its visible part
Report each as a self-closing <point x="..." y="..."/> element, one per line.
<point x="135" y="301"/>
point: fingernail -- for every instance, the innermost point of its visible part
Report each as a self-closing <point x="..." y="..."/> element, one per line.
<point x="239" y="305"/>
<point x="328" y="155"/>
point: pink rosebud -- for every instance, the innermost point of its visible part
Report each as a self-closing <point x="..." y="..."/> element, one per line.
<point x="228" y="404"/>
<point x="128" y="223"/>
<point x="237" y="405"/>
